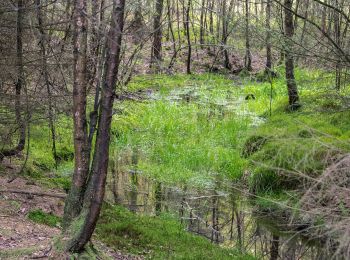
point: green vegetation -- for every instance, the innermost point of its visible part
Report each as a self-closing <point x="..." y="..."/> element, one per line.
<point x="156" y="237"/>
<point x="188" y="134"/>
<point x="291" y="147"/>
<point x="16" y="253"/>
<point x="194" y="129"/>
<point x="41" y="217"/>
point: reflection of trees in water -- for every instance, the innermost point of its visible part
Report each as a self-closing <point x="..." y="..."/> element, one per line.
<point x="221" y="216"/>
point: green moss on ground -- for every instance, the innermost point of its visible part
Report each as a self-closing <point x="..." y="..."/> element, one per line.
<point x="300" y="144"/>
<point x="156" y="237"/>
<point x="38" y="216"/>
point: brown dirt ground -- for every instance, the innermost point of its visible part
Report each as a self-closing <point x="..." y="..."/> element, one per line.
<point x="21" y="238"/>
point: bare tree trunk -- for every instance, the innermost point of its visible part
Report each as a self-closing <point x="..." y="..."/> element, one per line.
<point x="189" y="51"/>
<point x="74" y="200"/>
<point x="201" y="24"/>
<point x="239" y="230"/>
<point x="175" y="51"/>
<point x="289" y="32"/>
<point x="337" y="36"/>
<point x="248" y="55"/>
<point x="225" y="35"/>
<point x="156" y="56"/>
<point x="45" y="74"/>
<point x="99" y="55"/>
<point x="96" y="189"/>
<point x="268" y="37"/>
<point x="20" y="83"/>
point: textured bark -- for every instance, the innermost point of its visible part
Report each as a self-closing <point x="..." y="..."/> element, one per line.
<point x="289" y="58"/>
<point x="96" y="188"/>
<point x="20" y="83"/>
<point x="98" y="56"/>
<point x="74" y="200"/>
<point x="268" y="37"/>
<point x="248" y="55"/>
<point x="156" y="56"/>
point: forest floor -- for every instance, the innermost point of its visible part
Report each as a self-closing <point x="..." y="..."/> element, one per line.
<point x="22" y="238"/>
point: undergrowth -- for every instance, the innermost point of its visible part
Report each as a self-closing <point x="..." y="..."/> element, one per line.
<point x="41" y="217"/>
<point x="156" y="237"/>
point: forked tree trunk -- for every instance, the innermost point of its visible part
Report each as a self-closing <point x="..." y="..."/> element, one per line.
<point x="96" y="188"/>
<point x="289" y="32"/>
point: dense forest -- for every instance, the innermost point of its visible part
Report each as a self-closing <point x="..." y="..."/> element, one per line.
<point x="174" y="129"/>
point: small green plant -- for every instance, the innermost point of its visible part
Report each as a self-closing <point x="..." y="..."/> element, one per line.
<point x="41" y="217"/>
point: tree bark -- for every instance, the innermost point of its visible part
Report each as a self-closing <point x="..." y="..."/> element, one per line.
<point x="156" y="56"/>
<point x="289" y="62"/>
<point x="201" y="24"/>
<point x="248" y="55"/>
<point x="189" y="46"/>
<point x="20" y="83"/>
<point x="268" y="37"/>
<point x="74" y="200"/>
<point x="95" y="192"/>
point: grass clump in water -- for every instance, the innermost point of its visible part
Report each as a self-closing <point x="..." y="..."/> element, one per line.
<point x="189" y="134"/>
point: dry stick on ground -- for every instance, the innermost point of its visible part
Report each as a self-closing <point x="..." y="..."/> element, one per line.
<point x="42" y="194"/>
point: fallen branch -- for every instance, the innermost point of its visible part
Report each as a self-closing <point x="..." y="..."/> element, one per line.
<point x="42" y="194"/>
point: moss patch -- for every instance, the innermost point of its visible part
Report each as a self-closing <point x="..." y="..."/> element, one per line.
<point x="41" y="217"/>
<point x="156" y="237"/>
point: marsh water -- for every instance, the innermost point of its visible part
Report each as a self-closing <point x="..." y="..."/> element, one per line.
<point x="223" y="212"/>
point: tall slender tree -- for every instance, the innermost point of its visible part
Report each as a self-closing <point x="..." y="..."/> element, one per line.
<point x="75" y="197"/>
<point x="156" y="55"/>
<point x="95" y="188"/>
<point x="19" y="85"/>
<point x="268" y="65"/>
<point x="289" y="55"/>
<point x="248" y="54"/>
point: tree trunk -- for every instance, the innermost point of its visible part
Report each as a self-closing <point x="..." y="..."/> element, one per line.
<point x="74" y="200"/>
<point x="289" y="32"/>
<point x="156" y="56"/>
<point x="248" y="55"/>
<point x="189" y="51"/>
<point x="201" y="24"/>
<point x="96" y="188"/>
<point x="45" y="74"/>
<point x="20" y="83"/>
<point x="268" y="37"/>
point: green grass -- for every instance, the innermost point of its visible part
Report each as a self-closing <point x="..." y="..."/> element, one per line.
<point x="185" y="142"/>
<point x="38" y="216"/>
<point x="300" y="144"/>
<point x="156" y="237"/>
